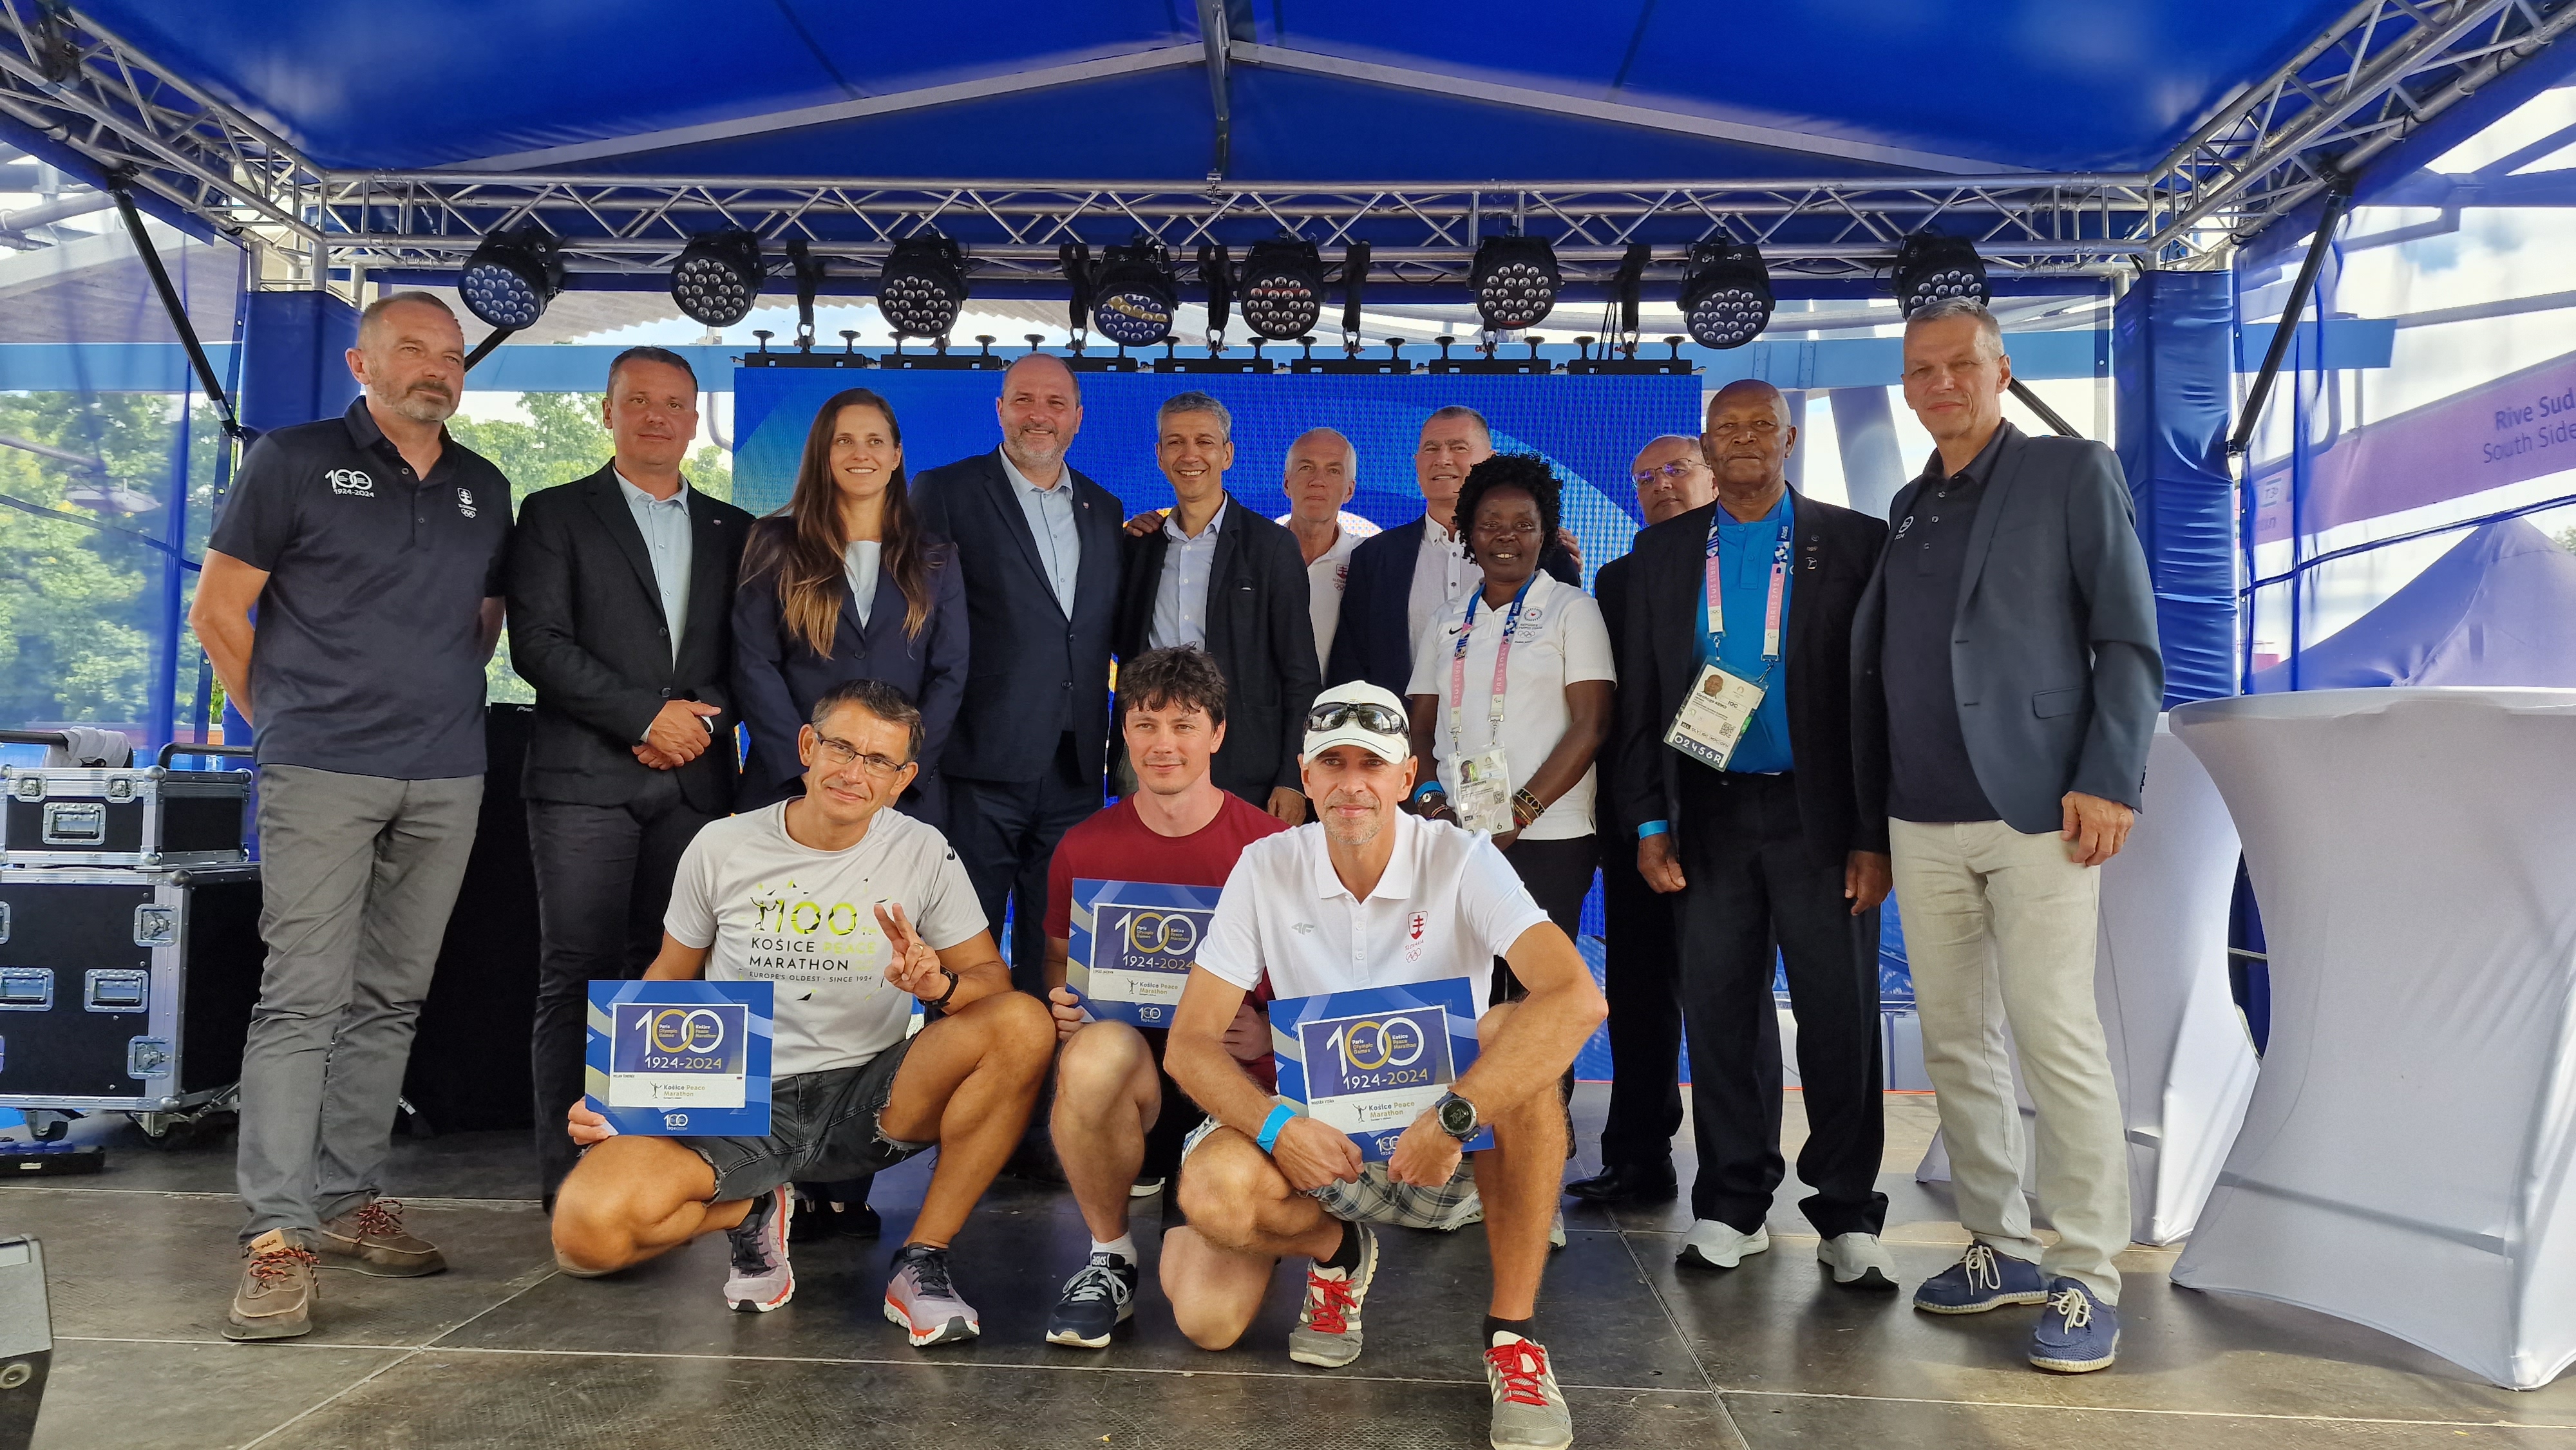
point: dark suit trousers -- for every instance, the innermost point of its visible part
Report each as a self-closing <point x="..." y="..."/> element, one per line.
<point x="1005" y="834"/>
<point x="603" y="882"/>
<point x="1641" y="971"/>
<point x="1754" y="883"/>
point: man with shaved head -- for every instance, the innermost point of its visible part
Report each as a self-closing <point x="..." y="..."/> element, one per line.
<point x="372" y="546"/>
<point x="1323" y="472"/>
<point x="1736" y="768"/>
<point x="1039" y="543"/>
<point x="1642" y="967"/>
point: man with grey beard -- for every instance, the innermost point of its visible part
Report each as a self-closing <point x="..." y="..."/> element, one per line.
<point x="372" y="547"/>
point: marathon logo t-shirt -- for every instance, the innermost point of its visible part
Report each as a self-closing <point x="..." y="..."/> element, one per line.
<point x="770" y="910"/>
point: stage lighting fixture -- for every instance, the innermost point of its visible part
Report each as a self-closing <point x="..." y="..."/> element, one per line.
<point x="1135" y="294"/>
<point x="1726" y="294"/>
<point x="1515" y="281"/>
<point x="1930" y="268"/>
<point x="1282" y="288"/>
<point x="923" y="286"/>
<point x="718" y="277"/>
<point x="512" y="276"/>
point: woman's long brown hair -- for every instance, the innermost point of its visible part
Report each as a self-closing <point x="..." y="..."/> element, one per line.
<point x="811" y="561"/>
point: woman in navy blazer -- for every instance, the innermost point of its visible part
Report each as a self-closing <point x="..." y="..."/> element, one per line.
<point x="798" y="628"/>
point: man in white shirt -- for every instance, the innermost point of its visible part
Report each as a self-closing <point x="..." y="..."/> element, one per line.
<point x="1371" y="897"/>
<point x="1323" y="472"/>
<point x="854" y="912"/>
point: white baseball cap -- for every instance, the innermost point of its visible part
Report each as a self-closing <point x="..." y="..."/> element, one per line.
<point x="1362" y="714"/>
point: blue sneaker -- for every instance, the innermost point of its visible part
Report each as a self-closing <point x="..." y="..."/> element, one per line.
<point x="2077" y="1333"/>
<point x="1981" y="1281"/>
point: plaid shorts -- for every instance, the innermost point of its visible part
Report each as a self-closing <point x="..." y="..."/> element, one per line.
<point x="1374" y="1197"/>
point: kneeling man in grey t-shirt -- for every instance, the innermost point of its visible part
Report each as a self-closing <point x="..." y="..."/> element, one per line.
<point x="854" y="912"/>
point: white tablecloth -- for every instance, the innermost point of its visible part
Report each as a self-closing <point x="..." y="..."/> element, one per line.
<point x="2407" y="1157"/>
<point x="2178" y="1046"/>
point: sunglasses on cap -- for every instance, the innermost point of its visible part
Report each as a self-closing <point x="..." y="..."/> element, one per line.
<point x="1376" y="719"/>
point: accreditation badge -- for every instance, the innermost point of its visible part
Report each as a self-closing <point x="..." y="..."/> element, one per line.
<point x="680" y="1059"/>
<point x="1132" y="944"/>
<point x="1371" y="1062"/>
<point x="1483" y="799"/>
<point x="1713" y="716"/>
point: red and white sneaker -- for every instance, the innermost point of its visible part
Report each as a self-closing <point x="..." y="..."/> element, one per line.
<point x="1328" y="1327"/>
<point x="760" y="1280"/>
<point x="1529" y="1410"/>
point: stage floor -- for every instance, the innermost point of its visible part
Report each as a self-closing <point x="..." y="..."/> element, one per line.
<point x="503" y="1350"/>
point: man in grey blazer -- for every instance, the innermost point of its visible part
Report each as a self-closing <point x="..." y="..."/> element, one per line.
<point x="2006" y="679"/>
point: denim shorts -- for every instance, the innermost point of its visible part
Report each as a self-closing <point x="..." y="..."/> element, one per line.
<point x="822" y="1128"/>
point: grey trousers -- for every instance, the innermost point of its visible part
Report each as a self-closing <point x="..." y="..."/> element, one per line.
<point x="358" y="873"/>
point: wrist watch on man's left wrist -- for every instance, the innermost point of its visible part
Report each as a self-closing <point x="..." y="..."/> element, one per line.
<point x="1456" y="1116"/>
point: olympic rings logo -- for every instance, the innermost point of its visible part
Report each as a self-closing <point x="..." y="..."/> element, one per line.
<point x="676" y="1030"/>
<point x="1369" y="1044"/>
<point x="1162" y="933"/>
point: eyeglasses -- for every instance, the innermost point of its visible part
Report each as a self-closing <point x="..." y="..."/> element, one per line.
<point x="841" y="755"/>
<point x="1375" y="719"/>
<point x="1673" y="472"/>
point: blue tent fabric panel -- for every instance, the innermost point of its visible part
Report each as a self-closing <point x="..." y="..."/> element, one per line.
<point x="2175" y="389"/>
<point x="2498" y="609"/>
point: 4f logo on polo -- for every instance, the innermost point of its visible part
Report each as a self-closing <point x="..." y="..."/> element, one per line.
<point x="465" y="502"/>
<point x="1413" y="934"/>
<point x="350" y="483"/>
<point x="665" y="1055"/>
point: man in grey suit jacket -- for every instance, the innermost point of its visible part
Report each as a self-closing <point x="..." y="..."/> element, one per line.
<point x="2005" y="686"/>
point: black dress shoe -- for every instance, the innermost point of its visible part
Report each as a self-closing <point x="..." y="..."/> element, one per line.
<point x="1628" y="1183"/>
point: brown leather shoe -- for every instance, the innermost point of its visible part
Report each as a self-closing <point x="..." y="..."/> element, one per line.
<point x="275" y="1300"/>
<point x="372" y="1241"/>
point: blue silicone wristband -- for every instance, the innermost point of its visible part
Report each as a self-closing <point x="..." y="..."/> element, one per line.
<point x="1280" y="1113"/>
<point x="1653" y="828"/>
<point x="1426" y="788"/>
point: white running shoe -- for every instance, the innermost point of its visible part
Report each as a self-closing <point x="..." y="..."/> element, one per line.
<point x="1859" y="1261"/>
<point x="1714" y="1245"/>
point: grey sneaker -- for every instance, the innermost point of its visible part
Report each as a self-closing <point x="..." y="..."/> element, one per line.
<point x="921" y="1298"/>
<point x="760" y="1279"/>
<point x="275" y="1299"/>
<point x="1328" y="1326"/>
<point x="1529" y="1410"/>
<point x="373" y="1241"/>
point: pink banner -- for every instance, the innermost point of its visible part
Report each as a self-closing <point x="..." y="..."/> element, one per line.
<point x="2520" y="426"/>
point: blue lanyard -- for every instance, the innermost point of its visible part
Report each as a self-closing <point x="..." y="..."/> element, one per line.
<point x="1714" y="583"/>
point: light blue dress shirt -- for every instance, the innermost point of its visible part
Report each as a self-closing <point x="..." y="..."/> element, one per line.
<point x="1744" y="553"/>
<point x="667" y="542"/>
<point x="1051" y="523"/>
<point x="1181" y="597"/>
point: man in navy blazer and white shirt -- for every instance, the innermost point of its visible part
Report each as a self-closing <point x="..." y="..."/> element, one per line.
<point x="2005" y="682"/>
<point x="621" y="593"/>
<point x="1403" y="581"/>
<point x="1040" y="546"/>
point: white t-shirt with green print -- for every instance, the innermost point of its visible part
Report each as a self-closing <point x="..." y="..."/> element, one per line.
<point x="805" y="920"/>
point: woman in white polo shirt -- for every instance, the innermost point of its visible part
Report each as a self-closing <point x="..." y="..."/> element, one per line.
<point x="1511" y="694"/>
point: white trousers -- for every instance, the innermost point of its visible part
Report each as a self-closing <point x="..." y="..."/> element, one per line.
<point x="2000" y="928"/>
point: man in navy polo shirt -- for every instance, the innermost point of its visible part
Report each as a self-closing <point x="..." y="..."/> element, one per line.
<point x="371" y="545"/>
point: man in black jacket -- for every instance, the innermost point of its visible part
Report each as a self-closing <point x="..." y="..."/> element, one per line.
<point x="621" y="593"/>
<point x="1735" y="737"/>
<point x="1402" y="580"/>
<point x="1039" y="544"/>
<point x="1641" y="964"/>
<point x="1217" y="575"/>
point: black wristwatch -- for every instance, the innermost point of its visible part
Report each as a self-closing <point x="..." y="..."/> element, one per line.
<point x="1457" y="1116"/>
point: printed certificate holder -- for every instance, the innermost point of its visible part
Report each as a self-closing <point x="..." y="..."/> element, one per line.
<point x="680" y="1059"/>
<point x="1370" y="1062"/>
<point x="1131" y="947"/>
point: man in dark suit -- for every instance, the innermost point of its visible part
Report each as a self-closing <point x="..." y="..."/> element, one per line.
<point x="621" y="593"/>
<point x="1402" y="580"/>
<point x="1641" y="966"/>
<point x="1040" y="546"/>
<point x="1221" y="577"/>
<point x="1772" y="846"/>
<point x="2006" y="678"/>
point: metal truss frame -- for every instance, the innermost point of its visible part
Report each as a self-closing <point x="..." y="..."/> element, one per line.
<point x="2385" y="68"/>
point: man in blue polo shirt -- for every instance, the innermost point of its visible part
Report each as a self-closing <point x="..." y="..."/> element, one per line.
<point x="371" y="545"/>
<point x="1750" y="816"/>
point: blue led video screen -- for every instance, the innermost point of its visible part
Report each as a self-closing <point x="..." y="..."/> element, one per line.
<point x="1589" y="428"/>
